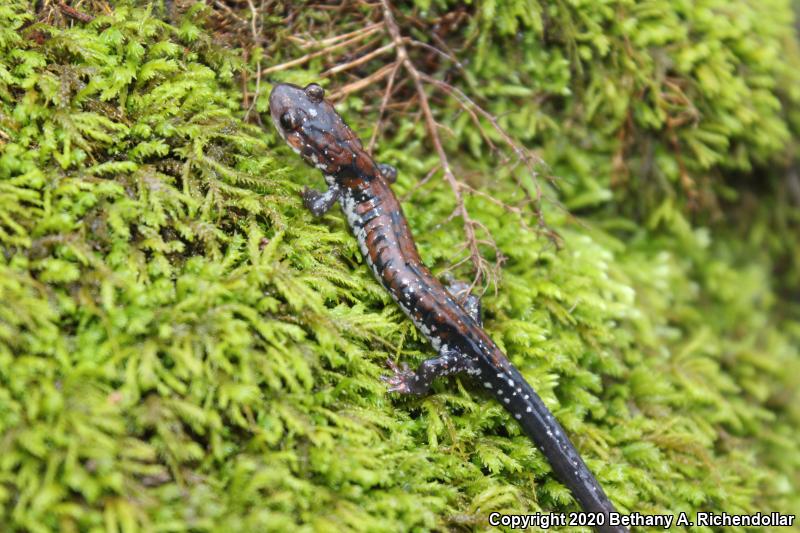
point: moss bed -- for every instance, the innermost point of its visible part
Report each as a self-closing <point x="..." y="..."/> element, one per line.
<point x="184" y="348"/>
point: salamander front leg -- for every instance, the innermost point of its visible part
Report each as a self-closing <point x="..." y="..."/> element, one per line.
<point x="406" y="381"/>
<point x="320" y="203"/>
<point x="388" y="172"/>
<point x="471" y="303"/>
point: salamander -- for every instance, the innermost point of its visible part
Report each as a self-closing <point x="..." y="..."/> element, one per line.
<point x="448" y="317"/>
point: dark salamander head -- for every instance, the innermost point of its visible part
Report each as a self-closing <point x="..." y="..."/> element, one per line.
<point x="311" y="127"/>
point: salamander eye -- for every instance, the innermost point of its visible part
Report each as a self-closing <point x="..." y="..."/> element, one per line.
<point x="314" y="92"/>
<point x="289" y="121"/>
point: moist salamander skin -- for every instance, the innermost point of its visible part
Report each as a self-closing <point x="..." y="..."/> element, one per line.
<point x="313" y="129"/>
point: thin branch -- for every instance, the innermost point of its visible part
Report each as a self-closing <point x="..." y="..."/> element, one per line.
<point x="364" y="82"/>
<point x="231" y="12"/>
<point x="523" y="154"/>
<point x="302" y="43"/>
<point x="421" y="183"/>
<point x="356" y="62"/>
<point x="361" y="49"/>
<point x="435" y="50"/>
<point x="245" y="93"/>
<point x="384" y="102"/>
<point x="480" y="264"/>
<point x="254" y="30"/>
<point x="74" y="13"/>
<point x="304" y="59"/>
<point x="507" y="207"/>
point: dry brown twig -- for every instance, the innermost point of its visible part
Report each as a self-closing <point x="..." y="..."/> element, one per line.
<point x="73" y="13"/>
<point x="303" y="43"/>
<point x="356" y="62"/>
<point x="363" y="82"/>
<point x="384" y="102"/>
<point x="513" y="209"/>
<point x="525" y="156"/>
<point x="420" y="183"/>
<point x="231" y="13"/>
<point x="255" y="32"/>
<point x="360" y="36"/>
<point x="484" y="273"/>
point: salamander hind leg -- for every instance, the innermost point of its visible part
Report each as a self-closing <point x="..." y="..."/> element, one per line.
<point x="320" y="203"/>
<point x="471" y="303"/>
<point x="388" y="172"/>
<point x="406" y="381"/>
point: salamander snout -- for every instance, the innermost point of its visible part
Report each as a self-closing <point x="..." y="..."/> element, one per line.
<point x="311" y="127"/>
<point x="290" y="105"/>
<point x="308" y="124"/>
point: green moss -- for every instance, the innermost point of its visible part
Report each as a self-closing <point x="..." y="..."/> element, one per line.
<point x="183" y="348"/>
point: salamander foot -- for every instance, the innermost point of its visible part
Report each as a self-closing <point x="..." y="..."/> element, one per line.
<point x="406" y="381"/>
<point x="317" y="202"/>
<point x="403" y="379"/>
